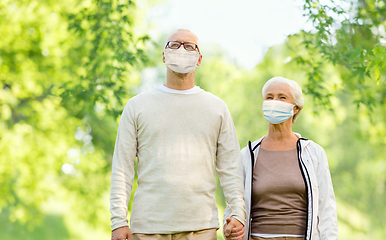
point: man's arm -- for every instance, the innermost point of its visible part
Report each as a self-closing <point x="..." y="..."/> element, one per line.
<point x="229" y="168"/>
<point x="122" y="175"/>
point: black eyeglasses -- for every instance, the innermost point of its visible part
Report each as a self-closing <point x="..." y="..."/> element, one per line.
<point x="187" y="45"/>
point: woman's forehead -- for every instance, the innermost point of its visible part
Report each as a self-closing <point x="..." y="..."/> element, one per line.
<point x="279" y="88"/>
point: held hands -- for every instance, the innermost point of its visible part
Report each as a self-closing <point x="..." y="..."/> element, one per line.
<point x="122" y="233"/>
<point x="233" y="229"/>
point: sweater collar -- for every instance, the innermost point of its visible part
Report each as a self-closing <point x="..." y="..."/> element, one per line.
<point x="193" y="90"/>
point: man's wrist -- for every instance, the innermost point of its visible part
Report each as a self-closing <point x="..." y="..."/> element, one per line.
<point x="118" y="225"/>
<point x="238" y="219"/>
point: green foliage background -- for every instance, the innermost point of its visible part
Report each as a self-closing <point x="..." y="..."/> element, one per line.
<point x="67" y="69"/>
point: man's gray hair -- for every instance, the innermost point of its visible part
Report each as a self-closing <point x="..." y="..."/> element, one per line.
<point x="296" y="92"/>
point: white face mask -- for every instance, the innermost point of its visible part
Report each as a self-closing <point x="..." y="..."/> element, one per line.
<point x="277" y="111"/>
<point x="181" y="60"/>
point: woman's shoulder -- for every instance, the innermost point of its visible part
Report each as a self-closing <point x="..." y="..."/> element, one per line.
<point x="313" y="146"/>
<point x="316" y="153"/>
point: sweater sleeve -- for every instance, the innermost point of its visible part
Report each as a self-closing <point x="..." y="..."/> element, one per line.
<point x="227" y="211"/>
<point x="122" y="174"/>
<point x="229" y="168"/>
<point x="327" y="217"/>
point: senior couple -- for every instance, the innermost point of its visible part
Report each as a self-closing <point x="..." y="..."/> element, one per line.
<point x="278" y="187"/>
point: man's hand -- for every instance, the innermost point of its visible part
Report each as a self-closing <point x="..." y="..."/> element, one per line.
<point x="233" y="229"/>
<point x="122" y="233"/>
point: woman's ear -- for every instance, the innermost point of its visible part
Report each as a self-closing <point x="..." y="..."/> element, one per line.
<point x="296" y="109"/>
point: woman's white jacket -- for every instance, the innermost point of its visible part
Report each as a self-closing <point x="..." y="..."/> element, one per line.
<point x="322" y="221"/>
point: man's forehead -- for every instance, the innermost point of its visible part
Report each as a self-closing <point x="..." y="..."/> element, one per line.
<point x="183" y="36"/>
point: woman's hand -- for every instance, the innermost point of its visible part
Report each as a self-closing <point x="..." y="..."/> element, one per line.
<point x="233" y="229"/>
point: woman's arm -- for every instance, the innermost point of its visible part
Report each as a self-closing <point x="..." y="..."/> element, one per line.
<point x="327" y="216"/>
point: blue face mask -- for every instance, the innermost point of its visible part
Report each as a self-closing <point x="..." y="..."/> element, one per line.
<point x="277" y="111"/>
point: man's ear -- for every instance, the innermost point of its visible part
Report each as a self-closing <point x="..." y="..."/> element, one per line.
<point x="163" y="57"/>
<point x="199" y="60"/>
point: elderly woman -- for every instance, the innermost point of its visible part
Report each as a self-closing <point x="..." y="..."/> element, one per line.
<point x="288" y="188"/>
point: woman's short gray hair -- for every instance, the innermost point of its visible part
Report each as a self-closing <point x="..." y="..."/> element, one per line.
<point x="296" y="92"/>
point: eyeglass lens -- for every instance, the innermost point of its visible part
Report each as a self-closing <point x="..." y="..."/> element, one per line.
<point x="187" y="46"/>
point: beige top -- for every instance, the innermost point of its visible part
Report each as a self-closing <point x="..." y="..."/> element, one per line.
<point x="279" y="204"/>
<point x="180" y="140"/>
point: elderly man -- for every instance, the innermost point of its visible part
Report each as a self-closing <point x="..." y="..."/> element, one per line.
<point x="180" y="134"/>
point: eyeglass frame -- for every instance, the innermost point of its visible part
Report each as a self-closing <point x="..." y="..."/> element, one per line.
<point x="183" y="43"/>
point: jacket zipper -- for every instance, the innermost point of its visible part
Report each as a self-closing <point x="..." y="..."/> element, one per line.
<point x="252" y="169"/>
<point x="307" y="181"/>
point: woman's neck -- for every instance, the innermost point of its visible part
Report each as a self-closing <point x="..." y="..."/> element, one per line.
<point x="280" y="137"/>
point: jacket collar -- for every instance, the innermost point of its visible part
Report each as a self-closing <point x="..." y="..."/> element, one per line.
<point x="304" y="142"/>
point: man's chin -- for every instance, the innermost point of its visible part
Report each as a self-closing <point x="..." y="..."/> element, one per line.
<point x="181" y="74"/>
